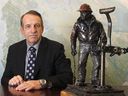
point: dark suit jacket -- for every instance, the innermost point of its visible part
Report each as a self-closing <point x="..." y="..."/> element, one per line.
<point x="51" y="63"/>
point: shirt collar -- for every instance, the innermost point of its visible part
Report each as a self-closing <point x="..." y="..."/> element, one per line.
<point x="36" y="46"/>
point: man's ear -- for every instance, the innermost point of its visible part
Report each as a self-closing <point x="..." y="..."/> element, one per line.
<point x="22" y="30"/>
<point x="42" y="29"/>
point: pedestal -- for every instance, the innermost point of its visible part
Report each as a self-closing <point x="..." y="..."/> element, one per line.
<point x="89" y="90"/>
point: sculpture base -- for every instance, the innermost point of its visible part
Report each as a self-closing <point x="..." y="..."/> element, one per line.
<point x="89" y="90"/>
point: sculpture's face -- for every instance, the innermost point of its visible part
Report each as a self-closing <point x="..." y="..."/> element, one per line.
<point x="85" y="15"/>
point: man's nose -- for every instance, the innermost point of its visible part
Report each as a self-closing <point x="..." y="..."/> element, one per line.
<point x="33" y="29"/>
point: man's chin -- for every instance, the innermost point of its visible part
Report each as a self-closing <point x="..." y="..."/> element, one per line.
<point x="32" y="42"/>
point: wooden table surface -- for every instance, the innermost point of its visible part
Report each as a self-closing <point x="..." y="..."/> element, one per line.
<point x="44" y="92"/>
<point x="50" y="92"/>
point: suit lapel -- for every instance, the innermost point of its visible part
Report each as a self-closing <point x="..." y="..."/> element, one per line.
<point x="22" y="57"/>
<point x="41" y="55"/>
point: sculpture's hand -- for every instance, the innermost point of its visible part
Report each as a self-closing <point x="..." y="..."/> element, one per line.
<point x="74" y="52"/>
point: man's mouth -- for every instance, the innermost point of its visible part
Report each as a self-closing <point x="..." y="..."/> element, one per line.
<point x="33" y="35"/>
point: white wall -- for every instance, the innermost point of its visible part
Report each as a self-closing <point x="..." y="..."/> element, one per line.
<point x="59" y="17"/>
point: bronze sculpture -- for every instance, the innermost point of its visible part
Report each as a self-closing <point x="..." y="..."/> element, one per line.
<point x="91" y="35"/>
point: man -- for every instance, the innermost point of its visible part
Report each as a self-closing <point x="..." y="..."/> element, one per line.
<point x="91" y="36"/>
<point x="47" y="65"/>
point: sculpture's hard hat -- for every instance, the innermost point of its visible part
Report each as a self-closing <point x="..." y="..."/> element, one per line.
<point x="85" y="7"/>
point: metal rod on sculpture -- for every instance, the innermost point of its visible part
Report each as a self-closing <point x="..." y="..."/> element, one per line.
<point x="102" y="81"/>
<point x="106" y="11"/>
<point x="74" y="71"/>
<point x="109" y="28"/>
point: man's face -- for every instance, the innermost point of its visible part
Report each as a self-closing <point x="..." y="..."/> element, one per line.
<point x="32" y="28"/>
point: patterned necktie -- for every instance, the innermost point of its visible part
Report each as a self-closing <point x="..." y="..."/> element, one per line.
<point x="31" y="64"/>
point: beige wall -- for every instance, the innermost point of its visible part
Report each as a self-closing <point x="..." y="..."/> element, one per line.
<point x="59" y="17"/>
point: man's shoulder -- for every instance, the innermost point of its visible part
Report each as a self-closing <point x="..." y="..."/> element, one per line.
<point x="51" y="45"/>
<point x="51" y="42"/>
<point x="18" y="44"/>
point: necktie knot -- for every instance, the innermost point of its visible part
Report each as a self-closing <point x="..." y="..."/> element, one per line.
<point x="32" y="49"/>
